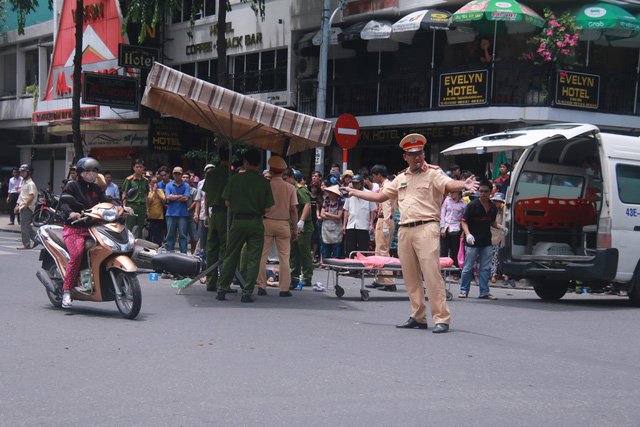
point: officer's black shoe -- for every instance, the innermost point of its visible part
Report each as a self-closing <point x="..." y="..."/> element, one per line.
<point x="220" y="296"/>
<point x="262" y="292"/>
<point x="389" y="288"/>
<point x="440" y="328"/>
<point x="246" y="298"/>
<point x="412" y="324"/>
<point x="285" y="294"/>
<point x="373" y="285"/>
<point x="232" y="291"/>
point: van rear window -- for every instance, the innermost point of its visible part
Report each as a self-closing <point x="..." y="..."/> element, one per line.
<point x="628" y="177"/>
<point x="538" y="184"/>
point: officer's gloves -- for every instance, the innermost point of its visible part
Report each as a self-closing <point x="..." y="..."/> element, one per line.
<point x="470" y="239"/>
<point x="300" y="226"/>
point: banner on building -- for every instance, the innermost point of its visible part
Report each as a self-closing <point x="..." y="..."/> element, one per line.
<point x="578" y="89"/>
<point x="464" y="88"/>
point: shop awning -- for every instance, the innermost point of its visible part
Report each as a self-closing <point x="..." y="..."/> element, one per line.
<point x="233" y="116"/>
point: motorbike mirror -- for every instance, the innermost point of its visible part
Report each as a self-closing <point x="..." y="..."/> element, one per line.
<point x="67" y="199"/>
<point x="132" y="192"/>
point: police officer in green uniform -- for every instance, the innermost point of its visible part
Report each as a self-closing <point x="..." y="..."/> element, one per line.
<point x="249" y="197"/>
<point x="138" y="202"/>
<point x="300" y="257"/>
<point x="214" y="185"/>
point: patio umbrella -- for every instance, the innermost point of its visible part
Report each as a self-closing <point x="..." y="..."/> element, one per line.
<point x="502" y="14"/>
<point x="422" y="20"/>
<point x="233" y="116"/>
<point x="506" y="15"/>
<point x="603" y="19"/>
<point x="378" y="34"/>
<point x="631" y="42"/>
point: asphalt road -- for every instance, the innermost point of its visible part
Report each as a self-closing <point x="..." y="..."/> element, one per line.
<point x="312" y="359"/>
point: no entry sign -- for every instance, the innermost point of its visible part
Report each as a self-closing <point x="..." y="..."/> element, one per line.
<point x="347" y="131"/>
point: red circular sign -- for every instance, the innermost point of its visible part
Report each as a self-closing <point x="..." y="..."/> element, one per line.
<point x="347" y="131"/>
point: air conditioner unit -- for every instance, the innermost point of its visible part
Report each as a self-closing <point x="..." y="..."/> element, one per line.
<point x="307" y="66"/>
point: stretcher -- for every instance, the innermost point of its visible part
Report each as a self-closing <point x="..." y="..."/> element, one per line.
<point x="360" y="265"/>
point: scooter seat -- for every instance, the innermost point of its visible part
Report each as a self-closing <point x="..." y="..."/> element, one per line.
<point x="56" y="235"/>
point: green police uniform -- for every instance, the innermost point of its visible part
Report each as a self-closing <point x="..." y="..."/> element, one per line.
<point x="138" y="202"/>
<point x="214" y="185"/>
<point x="300" y="258"/>
<point x="248" y="194"/>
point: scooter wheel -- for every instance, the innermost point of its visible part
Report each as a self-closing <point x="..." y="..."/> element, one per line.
<point x="129" y="296"/>
<point x="42" y="217"/>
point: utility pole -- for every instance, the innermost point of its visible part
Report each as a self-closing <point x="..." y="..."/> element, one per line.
<point x="321" y="104"/>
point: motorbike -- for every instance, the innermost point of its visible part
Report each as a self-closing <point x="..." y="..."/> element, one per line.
<point x="107" y="272"/>
<point x="46" y="209"/>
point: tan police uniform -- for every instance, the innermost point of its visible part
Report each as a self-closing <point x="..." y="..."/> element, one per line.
<point x="386" y="212"/>
<point x="419" y="194"/>
<point x="277" y="225"/>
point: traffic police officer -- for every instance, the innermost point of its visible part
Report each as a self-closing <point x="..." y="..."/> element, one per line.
<point x="277" y="227"/>
<point x="419" y="190"/>
<point x="301" y="259"/>
<point x="249" y="197"/>
<point x="215" y="182"/>
<point x="139" y="201"/>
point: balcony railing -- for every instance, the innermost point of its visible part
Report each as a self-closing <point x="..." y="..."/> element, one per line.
<point x="514" y="84"/>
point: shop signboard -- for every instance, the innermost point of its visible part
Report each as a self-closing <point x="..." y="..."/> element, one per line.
<point x="463" y="88"/>
<point x="111" y="90"/>
<point x="578" y="89"/>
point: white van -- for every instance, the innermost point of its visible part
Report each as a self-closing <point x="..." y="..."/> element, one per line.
<point x="566" y="222"/>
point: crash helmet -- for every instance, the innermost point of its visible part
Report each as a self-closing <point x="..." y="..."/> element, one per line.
<point x="297" y="175"/>
<point x="26" y="167"/>
<point x="87" y="164"/>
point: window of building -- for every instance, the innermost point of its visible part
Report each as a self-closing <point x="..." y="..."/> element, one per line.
<point x="30" y="67"/>
<point x="259" y="72"/>
<point x="9" y="75"/>
<point x="204" y="70"/>
<point x="184" y="12"/>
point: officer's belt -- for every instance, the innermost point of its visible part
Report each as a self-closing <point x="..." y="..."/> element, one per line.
<point x="246" y="216"/>
<point x="275" y="219"/>
<point x="134" y="203"/>
<point x="218" y="209"/>
<point x="417" y="223"/>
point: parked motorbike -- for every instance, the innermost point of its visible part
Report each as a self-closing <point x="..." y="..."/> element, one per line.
<point x="107" y="272"/>
<point x="46" y="209"/>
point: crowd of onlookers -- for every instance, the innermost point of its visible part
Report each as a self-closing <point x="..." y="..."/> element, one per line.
<point x="170" y="206"/>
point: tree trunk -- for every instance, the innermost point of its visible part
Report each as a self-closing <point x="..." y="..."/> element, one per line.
<point x="221" y="43"/>
<point x="77" y="84"/>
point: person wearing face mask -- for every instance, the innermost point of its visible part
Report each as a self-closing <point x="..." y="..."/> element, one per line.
<point x="334" y="178"/>
<point x="88" y="194"/>
<point x="591" y="166"/>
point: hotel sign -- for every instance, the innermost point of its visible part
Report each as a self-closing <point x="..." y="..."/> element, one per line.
<point x="137" y="56"/>
<point x="465" y="88"/>
<point x="578" y="89"/>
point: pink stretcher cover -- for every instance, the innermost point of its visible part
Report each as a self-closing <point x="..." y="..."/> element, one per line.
<point x="377" y="261"/>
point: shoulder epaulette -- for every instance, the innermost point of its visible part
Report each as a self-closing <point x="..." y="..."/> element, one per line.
<point x="130" y="177"/>
<point x="434" y="166"/>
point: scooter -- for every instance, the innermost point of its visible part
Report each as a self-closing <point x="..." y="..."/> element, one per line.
<point x="46" y="209"/>
<point x="107" y="272"/>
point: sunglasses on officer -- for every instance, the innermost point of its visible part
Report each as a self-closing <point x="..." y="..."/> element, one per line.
<point x="415" y="154"/>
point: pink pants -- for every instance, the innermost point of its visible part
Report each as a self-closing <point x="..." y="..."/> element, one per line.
<point x="74" y="239"/>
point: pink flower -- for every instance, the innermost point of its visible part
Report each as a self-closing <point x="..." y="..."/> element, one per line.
<point x="561" y="44"/>
<point x="563" y="28"/>
<point x="563" y="74"/>
<point x="554" y="23"/>
<point x="549" y="32"/>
